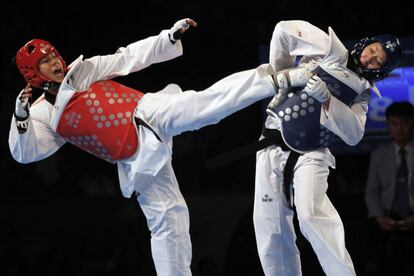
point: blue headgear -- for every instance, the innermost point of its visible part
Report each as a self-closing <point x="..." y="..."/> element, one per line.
<point x="392" y="48"/>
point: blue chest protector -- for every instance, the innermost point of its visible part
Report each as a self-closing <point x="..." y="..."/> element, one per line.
<point x="300" y="115"/>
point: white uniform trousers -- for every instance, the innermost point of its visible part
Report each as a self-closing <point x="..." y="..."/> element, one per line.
<point x="159" y="195"/>
<point x="319" y="222"/>
<point x="168" y="220"/>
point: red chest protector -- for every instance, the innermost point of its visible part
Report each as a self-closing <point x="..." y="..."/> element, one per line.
<point x="100" y="120"/>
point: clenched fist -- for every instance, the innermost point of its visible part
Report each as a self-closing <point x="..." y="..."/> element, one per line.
<point x="180" y="27"/>
<point x="317" y="89"/>
<point x="22" y="103"/>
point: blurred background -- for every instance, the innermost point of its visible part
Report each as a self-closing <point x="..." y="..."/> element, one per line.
<point x="66" y="215"/>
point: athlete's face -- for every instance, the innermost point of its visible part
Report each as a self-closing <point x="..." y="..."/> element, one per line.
<point x="52" y="68"/>
<point x="373" y="56"/>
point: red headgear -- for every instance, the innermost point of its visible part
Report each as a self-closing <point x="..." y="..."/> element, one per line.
<point x="28" y="57"/>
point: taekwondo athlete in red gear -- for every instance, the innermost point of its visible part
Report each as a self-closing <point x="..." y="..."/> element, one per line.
<point x="83" y="106"/>
<point x="332" y="100"/>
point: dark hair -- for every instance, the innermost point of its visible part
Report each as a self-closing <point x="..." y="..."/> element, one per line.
<point x="400" y="109"/>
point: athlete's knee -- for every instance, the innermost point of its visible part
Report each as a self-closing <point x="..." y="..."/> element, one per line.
<point x="165" y="220"/>
<point x="258" y="218"/>
<point x="305" y="215"/>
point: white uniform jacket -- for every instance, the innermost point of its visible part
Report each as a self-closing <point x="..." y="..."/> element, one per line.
<point x="299" y="38"/>
<point x="41" y="140"/>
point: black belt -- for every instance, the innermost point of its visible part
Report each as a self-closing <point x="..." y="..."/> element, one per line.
<point x="138" y="122"/>
<point x="290" y="163"/>
<point x="276" y="137"/>
<point x="271" y="137"/>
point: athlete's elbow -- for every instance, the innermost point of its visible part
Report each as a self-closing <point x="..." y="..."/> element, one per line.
<point x="20" y="158"/>
<point x="353" y="141"/>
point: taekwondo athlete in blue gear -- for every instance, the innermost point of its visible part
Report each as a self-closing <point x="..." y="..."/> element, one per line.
<point x="334" y="101"/>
